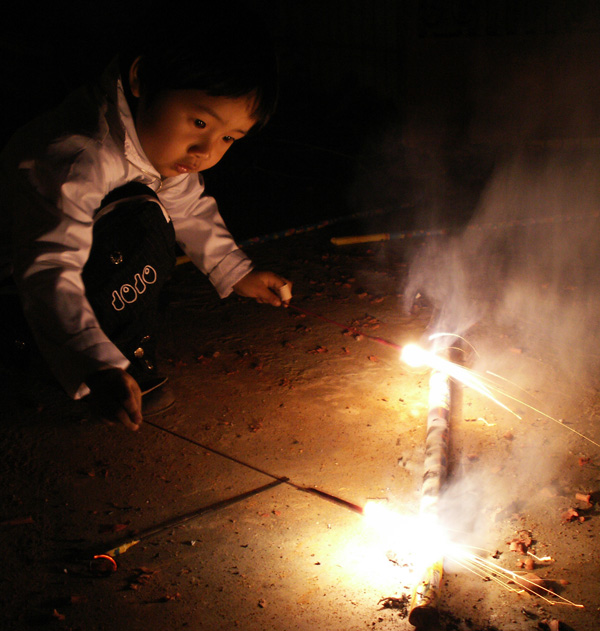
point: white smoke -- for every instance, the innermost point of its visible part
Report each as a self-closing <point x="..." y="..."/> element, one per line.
<point x="529" y="260"/>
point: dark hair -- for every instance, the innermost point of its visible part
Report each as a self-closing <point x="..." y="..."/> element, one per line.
<point x="223" y="51"/>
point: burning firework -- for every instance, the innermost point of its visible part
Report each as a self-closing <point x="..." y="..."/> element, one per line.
<point x="430" y="543"/>
<point x="491" y="385"/>
<point x="427" y="538"/>
<point x="422" y="541"/>
<point x="414" y="355"/>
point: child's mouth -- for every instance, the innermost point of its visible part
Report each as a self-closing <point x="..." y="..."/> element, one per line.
<point x="184" y="168"/>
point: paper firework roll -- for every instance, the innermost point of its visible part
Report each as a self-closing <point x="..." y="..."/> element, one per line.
<point x="285" y="293"/>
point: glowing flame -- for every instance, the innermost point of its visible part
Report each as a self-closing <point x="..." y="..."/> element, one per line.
<point x="414" y="355"/>
<point x="419" y="539"/>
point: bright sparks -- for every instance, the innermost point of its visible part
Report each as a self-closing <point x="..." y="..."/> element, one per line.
<point x="421" y="541"/>
<point x="415" y="356"/>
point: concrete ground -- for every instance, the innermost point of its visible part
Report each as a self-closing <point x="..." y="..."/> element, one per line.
<point x="266" y="393"/>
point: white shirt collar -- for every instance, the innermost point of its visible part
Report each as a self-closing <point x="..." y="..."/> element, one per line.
<point x="133" y="149"/>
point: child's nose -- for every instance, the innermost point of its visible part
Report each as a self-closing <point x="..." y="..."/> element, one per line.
<point x="201" y="150"/>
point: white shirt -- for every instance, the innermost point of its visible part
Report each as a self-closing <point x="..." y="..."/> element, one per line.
<point x="54" y="174"/>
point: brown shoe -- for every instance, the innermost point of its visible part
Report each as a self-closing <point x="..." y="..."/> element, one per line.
<point x="157" y="400"/>
<point x="149" y="384"/>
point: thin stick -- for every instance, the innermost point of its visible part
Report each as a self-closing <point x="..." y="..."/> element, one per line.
<point x="217" y="452"/>
<point x="281" y="479"/>
<point x="126" y="543"/>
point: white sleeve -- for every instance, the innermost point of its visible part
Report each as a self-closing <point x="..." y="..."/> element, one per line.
<point x="202" y="234"/>
<point x="52" y="235"/>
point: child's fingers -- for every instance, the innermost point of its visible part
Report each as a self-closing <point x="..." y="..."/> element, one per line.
<point x="264" y="287"/>
<point x="130" y="408"/>
<point x="131" y="415"/>
<point x="113" y="415"/>
<point x="128" y="420"/>
<point x="279" y="287"/>
<point x="274" y="281"/>
<point x="117" y="397"/>
<point x="113" y="412"/>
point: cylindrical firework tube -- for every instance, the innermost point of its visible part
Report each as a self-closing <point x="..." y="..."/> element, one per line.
<point x="423" y="608"/>
<point x="436" y="443"/>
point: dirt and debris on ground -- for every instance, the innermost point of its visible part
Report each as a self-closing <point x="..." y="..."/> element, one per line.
<point x="295" y="397"/>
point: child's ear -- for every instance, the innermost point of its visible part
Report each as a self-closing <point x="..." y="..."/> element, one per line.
<point x="134" y="80"/>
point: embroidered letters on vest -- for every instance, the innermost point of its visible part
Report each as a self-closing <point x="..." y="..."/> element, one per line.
<point x="128" y="294"/>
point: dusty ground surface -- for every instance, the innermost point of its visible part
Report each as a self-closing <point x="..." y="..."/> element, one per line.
<point x="293" y="396"/>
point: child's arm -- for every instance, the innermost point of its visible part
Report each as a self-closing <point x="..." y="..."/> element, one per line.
<point x="263" y="286"/>
<point x="52" y="192"/>
<point x="203" y="235"/>
<point x="52" y="242"/>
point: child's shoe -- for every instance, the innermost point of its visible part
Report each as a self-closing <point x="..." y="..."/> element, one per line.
<point x="157" y="396"/>
<point x="157" y="400"/>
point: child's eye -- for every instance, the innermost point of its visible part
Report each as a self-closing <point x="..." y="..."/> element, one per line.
<point x="229" y="139"/>
<point x="200" y="123"/>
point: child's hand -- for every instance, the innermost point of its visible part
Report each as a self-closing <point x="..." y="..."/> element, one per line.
<point x="116" y="396"/>
<point x="263" y="286"/>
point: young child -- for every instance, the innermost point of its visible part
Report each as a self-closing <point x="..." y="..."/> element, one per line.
<point x="95" y="195"/>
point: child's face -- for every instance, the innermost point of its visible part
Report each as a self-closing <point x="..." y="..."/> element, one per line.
<point x="186" y="131"/>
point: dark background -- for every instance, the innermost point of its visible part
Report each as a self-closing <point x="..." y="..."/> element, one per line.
<point x="395" y="105"/>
